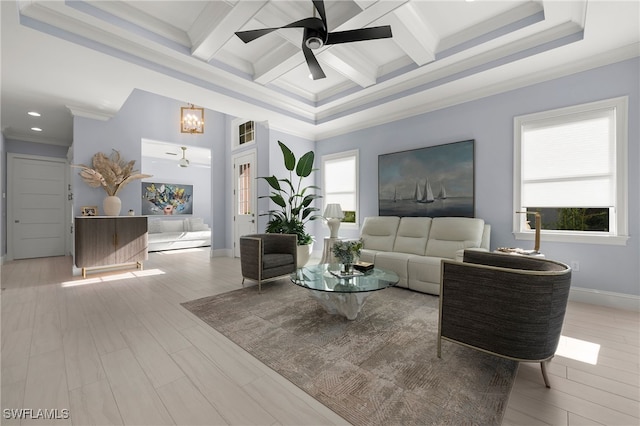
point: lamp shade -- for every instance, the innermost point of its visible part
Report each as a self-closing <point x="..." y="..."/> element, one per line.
<point x="333" y="211"/>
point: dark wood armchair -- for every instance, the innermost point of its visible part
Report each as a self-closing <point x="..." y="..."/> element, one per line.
<point x="267" y="256"/>
<point x="506" y="305"/>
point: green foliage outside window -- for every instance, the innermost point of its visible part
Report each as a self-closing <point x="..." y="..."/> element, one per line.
<point x="573" y="219"/>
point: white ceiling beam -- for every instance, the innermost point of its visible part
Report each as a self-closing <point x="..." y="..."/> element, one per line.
<point x="271" y="66"/>
<point x="217" y="24"/>
<point x="412" y="33"/>
<point x="352" y="65"/>
<point x="371" y="14"/>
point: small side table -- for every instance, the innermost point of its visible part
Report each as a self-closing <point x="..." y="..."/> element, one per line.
<point x="327" y="254"/>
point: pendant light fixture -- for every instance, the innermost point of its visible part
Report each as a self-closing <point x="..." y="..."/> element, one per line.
<point x="183" y="161"/>
<point x="191" y="119"/>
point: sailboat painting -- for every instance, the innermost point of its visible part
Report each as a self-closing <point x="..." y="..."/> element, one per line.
<point x="434" y="181"/>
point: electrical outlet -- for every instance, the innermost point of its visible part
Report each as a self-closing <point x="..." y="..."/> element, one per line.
<point x="575" y="265"/>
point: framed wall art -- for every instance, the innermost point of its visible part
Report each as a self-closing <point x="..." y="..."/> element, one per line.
<point x="434" y="181"/>
<point x="166" y="199"/>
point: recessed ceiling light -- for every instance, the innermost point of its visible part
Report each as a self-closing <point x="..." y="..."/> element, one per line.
<point x="34" y="114"/>
<point x="36" y="129"/>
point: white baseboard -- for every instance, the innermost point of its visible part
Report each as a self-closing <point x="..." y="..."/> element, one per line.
<point x="221" y="253"/>
<point x="605" y="298"/>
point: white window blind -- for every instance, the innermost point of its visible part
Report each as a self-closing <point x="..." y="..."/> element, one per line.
<point x="340" y="182"/>
<point x="570" y="162"/>
<point x="340" y="172"/>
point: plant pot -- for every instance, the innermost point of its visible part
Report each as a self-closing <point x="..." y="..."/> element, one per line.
<point x="112" y="205"/>
<point x="304" y="254"/>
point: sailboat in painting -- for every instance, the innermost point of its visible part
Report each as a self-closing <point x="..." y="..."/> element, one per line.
<point x="424" y="195"/>
<point x="443" y="192"/>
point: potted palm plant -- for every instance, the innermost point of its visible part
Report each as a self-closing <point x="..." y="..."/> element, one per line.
<point x="294" y="201"/>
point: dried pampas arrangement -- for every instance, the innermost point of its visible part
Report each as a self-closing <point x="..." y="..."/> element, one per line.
<point x="111" y="173"/>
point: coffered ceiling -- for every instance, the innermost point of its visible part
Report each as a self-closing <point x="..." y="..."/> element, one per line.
<point x="85" y="57"/>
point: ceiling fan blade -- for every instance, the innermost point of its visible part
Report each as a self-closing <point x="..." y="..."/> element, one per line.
<point x="319" y="4"/>
<point x="312" y="62"/>
<point x="310" y="23"/>
<point x="251" y="35"/>
<point x="363" y="34"/>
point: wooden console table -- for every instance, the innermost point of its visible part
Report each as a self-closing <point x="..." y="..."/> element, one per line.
<point x="110" y="241"/>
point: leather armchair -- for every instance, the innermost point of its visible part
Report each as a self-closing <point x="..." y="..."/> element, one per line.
<point x="506" y="305"/>
<point x="267" y="256"/>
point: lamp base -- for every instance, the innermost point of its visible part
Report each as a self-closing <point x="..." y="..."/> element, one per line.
<point x="334" y="225"/>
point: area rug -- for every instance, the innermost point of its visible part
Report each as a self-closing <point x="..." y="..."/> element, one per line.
<point x="380" y="369"/>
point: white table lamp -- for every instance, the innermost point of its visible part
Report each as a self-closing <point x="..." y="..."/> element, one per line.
<point x="333" y="214"/>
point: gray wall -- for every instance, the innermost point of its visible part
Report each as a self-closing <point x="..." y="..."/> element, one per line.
<point x="490" y="122"/>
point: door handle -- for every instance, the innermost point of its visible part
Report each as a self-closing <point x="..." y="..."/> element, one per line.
<point x="253" y="221"/>
<point x="17" y="221"/>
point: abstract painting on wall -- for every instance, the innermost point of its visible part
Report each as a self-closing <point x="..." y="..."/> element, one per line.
<point x="434" y="181"/>
<point x="166" y="199"/>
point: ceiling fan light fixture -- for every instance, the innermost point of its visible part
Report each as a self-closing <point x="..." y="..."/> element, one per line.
<point x="314" y="42"/>
<point x="183" y="162"/>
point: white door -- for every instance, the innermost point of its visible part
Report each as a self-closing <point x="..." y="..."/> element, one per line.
<point x="244" y="197"/>
<point x="35" y="206"/>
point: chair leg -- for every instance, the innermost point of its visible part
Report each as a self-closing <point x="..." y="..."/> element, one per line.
<point x="543" y="367"/>
<point x="259" y="286"/>
<point x="242" y="281"/>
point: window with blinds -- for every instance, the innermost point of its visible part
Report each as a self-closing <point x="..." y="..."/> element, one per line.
<point x="570" y="165"/>
<point x="340" y="175"/>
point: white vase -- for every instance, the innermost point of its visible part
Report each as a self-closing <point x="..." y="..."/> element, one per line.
<point x="304" y="254"/>
<point x="112" y="205"/>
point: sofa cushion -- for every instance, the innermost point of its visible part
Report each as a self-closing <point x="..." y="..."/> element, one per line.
<point x="379" y="232"/>
<point x="154" y="226"/>
<point x="450" y="234"/>
<point x="194" y="224"/>
<point x="172" y="225"/>
<point x="396" y="262"/>
<point x="274" y="260"/>
<point x="412" y="235"/>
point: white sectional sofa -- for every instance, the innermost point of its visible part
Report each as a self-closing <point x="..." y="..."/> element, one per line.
<point x="413" y="247"/>
<point x="171" y="234"/>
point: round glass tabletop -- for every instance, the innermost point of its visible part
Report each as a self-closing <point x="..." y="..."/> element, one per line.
<point x="327" y="277"/>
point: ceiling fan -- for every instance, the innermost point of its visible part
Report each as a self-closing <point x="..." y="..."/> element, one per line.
<point x="183" y="162"/>
<point x="316" y="35"/>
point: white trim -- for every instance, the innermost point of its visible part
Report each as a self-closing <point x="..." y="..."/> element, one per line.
<point x="235" y="137"/>
<point x="619" y="232"/>
<point x="574" y="237"/>
<point x="605" y="298"/>
<point x="221" y="253"/>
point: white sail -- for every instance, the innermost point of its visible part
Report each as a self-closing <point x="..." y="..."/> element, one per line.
<point x="443" y="192"/>
<point x="418" y="193"/>
<point x="427" y="195"/>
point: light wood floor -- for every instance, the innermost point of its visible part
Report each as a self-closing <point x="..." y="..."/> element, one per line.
<point x="117" y="348"/>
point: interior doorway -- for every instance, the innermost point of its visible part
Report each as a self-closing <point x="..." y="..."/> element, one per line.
<point x="36" y="203"/>
<point x="244" y="197"/>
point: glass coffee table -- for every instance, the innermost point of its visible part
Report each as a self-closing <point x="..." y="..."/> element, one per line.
<point x="338" y="294"/>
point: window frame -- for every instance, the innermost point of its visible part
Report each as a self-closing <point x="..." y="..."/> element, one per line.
<point x="355" y="153"/>
<point x="235" y="134"/>
<point x="620" y="208"/>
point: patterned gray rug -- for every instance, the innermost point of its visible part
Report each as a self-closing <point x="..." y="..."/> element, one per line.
<point x="380" y="369"/>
